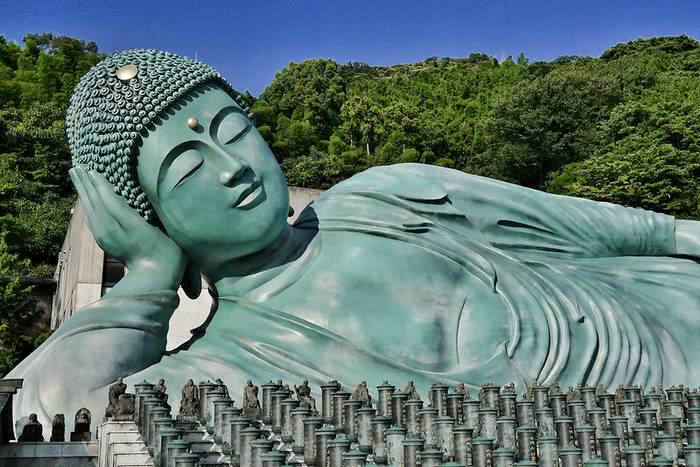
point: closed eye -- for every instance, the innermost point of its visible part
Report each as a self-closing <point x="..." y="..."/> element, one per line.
<point x="189" y="174"/>
<point x="239" y="135"/>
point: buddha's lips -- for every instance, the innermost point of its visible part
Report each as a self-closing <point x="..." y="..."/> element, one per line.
<point x="246" y="192"/>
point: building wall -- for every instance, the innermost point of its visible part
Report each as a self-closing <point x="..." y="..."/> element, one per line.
<point x="79" y="275"/>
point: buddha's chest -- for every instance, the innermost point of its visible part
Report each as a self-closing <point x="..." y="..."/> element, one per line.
<point x="396" y="298"/>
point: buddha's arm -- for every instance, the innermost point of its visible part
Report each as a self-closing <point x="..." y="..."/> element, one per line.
<point x="688" y="238"/>
<point x="527" y="221"/>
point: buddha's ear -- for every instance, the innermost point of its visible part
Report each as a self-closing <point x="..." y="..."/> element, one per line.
<point x="192" y="281"/>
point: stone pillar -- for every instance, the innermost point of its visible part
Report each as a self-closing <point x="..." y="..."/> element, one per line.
<point x="426" y="417"/>
<point x="692" y="432"/>
<point x="548" y="452"/>
<point x="454" y="406"/>
<point x="338" y="398"/>
<point x="647" y="416"/>
<point x="354" y="458"/>
<point x="545" y="419"/>
<point x="204" y="389"/>
<point x="527" y="447"/>
<point x="394" y="447"/>
<point x="642" y="435"/>
<point x="186" y="460"/>
<point x="525" y="413"/>
<point x="482" y="448"/>
<point x="148" y="406"/>
<point x="667" y="447"/>
<point x="411" y="408"/>
<point x="327" y="391"/>
<point x="438" y="397"/>
<point x="174" y="449"/>
<point x="154" y="414"/>
<point x="490" y="394"/>
<point x="558" y="404"/>
<point x="589" y="397"/>
<point x="336" y="448"/>
<point x="671" y="424"/>
<point x="570" y="457"/>
<point x="596" y="417"/>
<point x="585" y="435"/>
<point x="245" y="452"/>
<point x="507" y="403"/>
<point x="398" y="399"/>
<point x="310" y="426"/>
<point x="431" y="457"/>
<point x="273" y="459"/>
<point x="540" y="395"/>
<point x="385" y="390"/>
<point x="323" y="436"/>
<point x="577" y="410"/>
<point x="139" y="389"/>
<point x="462" y="442"/>
<point x="629" y="410"/>
<point x="564" y="426"/>
<point x="618" y="427"/>
<point x="213" y="397"/>
<point x="287" y="406"/>
<point x="502" y="457"/>
<point x="607" y="403"/>
<point x="258" y="447"/>
<point x="411" y="445"/>
<point x="267" y="390"/>
<point x="443" y="435"/>
<point x="350" y="408"/>
<point x="379" y="426"/>
<point x="634" y="456"/>
<point x="363" y="419"/>
<point x="692" y="455"/>
<point x="220" y="405"/>
<point x="237" y="426"/>
<point x="610" y="449"/>
<point x="505" y="432"/>
<point x="298" y="415"/>
<point x="487" y="422"/>
<point x="161" y="423"/>
<point x="167" y="435"/>
<point x="227" y="416"/>
<point x="277" y="397"/>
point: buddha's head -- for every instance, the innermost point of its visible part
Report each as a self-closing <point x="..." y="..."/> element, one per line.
<point x="177" y="142"/>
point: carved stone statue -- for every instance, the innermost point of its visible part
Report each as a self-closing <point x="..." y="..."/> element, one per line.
<point x="32" y="431"/>
<point x="115" y="390"/>
<point x="251" y="404"/>
<point x="58" y="428"/>
<point x="361" y="393"/>
<point x="304" y="396"/>
<point x="462" y="388"/>
<point x="81" y="430"/>
<point x="161" y="392"/>
<point x="189" y="403"/>
<point x="472" y="279"/>
<point x="410" y="389"/>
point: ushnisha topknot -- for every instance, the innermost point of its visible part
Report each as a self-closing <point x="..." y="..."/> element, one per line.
<point x="118" y="101"/>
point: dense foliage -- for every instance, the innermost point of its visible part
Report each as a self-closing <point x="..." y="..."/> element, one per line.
<point x="36" y="82"/>
<point x="623" y="128"/>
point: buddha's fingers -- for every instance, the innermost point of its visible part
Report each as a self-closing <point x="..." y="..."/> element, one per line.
<point x="96" y="224"/>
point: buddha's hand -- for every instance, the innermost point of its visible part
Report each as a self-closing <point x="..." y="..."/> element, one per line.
<point x="122" y="232"/>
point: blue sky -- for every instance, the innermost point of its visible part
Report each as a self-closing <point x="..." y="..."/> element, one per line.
<point x="249" y="41"/>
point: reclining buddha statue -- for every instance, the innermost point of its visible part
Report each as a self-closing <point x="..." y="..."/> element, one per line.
<point x="402" y="272"/>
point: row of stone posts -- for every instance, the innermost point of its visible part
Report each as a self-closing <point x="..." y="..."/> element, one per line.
<point x="545" y="426"/>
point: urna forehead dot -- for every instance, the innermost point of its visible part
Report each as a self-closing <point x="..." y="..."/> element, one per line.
<point x="127" y="72"/>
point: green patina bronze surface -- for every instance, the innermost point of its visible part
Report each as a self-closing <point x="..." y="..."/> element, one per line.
<point x="405" y="272"/>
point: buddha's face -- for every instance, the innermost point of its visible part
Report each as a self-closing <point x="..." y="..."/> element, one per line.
<point x="212" y="180"/>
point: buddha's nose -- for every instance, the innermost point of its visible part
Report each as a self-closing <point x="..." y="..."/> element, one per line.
<point x="232" y="172"/>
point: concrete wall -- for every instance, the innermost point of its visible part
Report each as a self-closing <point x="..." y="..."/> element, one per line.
<point x="79" y="275"/>
<point x="78" y="454"/>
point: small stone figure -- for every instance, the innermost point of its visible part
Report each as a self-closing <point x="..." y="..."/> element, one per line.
<point x="32" y="431"/>
<point x="82" y="425"/>
<point x="58" y="428"/>
<point x="509" y="388"/>
<point x="554" y="389"/>
<point x="161" y="392"/>
<point x="410" y="389"/>
<point x="251" y="404"/>
<point x="115" y="390"/>
<point x="189" y="404"/>
<point x="361" y="393"/>
<point x="462" y="388"/>
<point x="220" y="382"/>
<point x="126" y="406"/>
<point x="304" y="396"/>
